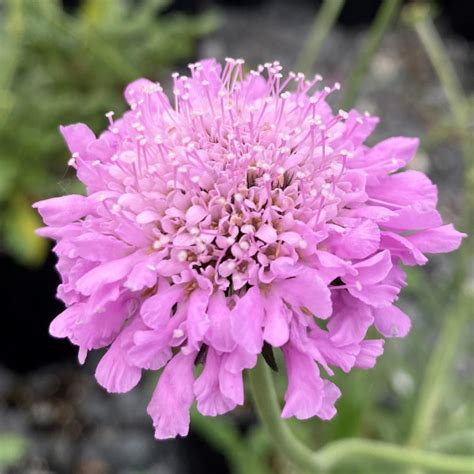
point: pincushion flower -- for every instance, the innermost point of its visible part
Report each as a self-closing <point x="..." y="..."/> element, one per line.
<point x="241" y="217"/>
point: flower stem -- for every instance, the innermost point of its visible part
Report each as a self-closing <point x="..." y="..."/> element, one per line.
<point x="343" y="450"/>
<point x="322" y="24"/>
<point x="439" y="57"/>
<point x="384" y="18"/>
<point x="436" y="372"/>
<point x="357" y="449"/>
<point x="268" y="408"/>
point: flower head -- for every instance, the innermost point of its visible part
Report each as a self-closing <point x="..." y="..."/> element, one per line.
<point x="241" y="217"/>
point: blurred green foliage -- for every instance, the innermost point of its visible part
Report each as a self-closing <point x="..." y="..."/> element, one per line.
<point x="58" y="68"/>
<point x="12" y="449"/>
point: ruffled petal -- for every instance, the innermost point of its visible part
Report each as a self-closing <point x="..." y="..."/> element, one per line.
<point x="64" y="210"/>
<point x="198" y="321"/>
<point x="358" y="242"/>
<point x="392" y="322"/>
<point x="369" y="351"/>
<point x="307" y="290"/>
<point x="114" y="372"/>
<point x="219" y="334"/>
<point x="438" y="240"/>
<point x="210" y="399"/>
<point x="156" y="310"/>
<point x="304" y="395"/>
<point x="173" y="397"/>
<point x="350" y="321"/>
<point x="78" y="136"/>
<point x="330" y="395"/>
<point x="277" y="316"/>
<point x="247" y="321"/>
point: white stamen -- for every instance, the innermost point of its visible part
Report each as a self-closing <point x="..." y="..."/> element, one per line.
<point x="182" y="255"/>
<point x="244" y="245"/>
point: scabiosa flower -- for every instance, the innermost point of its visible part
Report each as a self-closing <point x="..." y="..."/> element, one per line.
<point x="242" y="217"/>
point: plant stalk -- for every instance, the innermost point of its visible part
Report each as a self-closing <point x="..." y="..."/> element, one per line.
<point x="322" y="24"/>
<point x="343" y="450"/>
<point x="266" y="401"/>
<point x="385" y="16"/>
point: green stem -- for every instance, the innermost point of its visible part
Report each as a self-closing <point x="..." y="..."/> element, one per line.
<point x="353" y="449"/>
<point x="463" y="439"/>
<point x="268" y="407"/>
<point x="332" y="454"/>
<point x="436" y="372"/>
<point x="384" y="18"/>
<point x="444" y="68"/>
<point x="421" y="19"/>
<point x="322" y="24"/>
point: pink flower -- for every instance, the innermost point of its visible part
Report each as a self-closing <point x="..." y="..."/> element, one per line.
<point x="240" y="218"/>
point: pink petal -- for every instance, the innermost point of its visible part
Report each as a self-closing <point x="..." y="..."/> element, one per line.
<point x="136" y="90"/>
<point x="372" y="270"/>
<point x="406" y="189"/>
<point x="108" y="272"/>
<point x="389" y="155"/>
<point x="266" y="233"/>
<point x="358" y="242"/>
<point x="305" y="387"/>
<point x="307" y="290"/>
<point x="238" y="360"/>
<point x="98" y="247"/>
<point x="198" y="321"/>
<point x="195" y="214"/>
<point x="438" y="240"/>
<point x="231" y="385"/>
<point x="350" y="321"/>
<point x="114" y="372"/>
<point x="370" y="350"/>
<point x="146" y="217"/>
<point x="414" y="218"/>
<point x="210" y="400"/>
<point x="276" y="331"/>
<point x="156" y="310"/>
<point x="392" y="322"/>
<point x="343" y="357"/>
<point x="63" y="324"/>
<point x="78" y="136"/>
<point x="330" y="394"/>
<point x="151" y="349"/>
<point x="402" y="248"/>
<point x="378" y="296"/>
<point x="63" y="210"/>
<point x="173" y="397"/>
<point x="143" y="275"/>
<point x="375" y="213"/>
<point x="219" y="335"/>
<point x="247" y="321"/>
<point x="93" y="330"/>
<point x="360" y="127"/>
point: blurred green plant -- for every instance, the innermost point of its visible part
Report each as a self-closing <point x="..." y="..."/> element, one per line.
<point x="58" y="68"/>
<point x="12" y="449"/>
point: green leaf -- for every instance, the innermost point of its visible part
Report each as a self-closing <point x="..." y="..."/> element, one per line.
<point x="12" y="449"/>
<point x="20" y="239"/>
